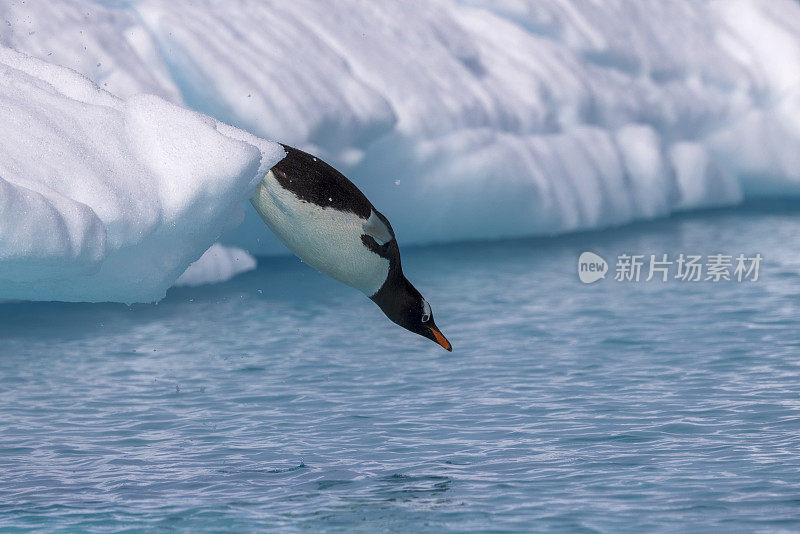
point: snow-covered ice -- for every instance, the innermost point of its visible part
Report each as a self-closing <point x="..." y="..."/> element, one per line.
<point x="473" y="118"/>
<point x="103" y="199"/>
<point x="218" y="263"/>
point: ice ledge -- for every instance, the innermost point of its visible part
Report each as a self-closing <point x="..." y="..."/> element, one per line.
<point x="103" y="199"/>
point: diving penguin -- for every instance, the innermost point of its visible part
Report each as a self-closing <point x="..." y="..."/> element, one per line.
<point x="328" y="223"/>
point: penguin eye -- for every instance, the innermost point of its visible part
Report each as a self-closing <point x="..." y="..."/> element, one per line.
<point x="426" y="311"/>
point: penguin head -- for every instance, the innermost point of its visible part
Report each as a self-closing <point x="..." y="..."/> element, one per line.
<point x="403" y="304"/>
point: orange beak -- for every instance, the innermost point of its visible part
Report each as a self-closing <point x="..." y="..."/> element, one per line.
<point x="441" y="340"/>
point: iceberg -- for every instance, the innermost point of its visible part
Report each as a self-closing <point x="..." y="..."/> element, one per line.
<point x="459" y="119"/>
<point x="103" y="199"/>
<point x="217" y="264"/>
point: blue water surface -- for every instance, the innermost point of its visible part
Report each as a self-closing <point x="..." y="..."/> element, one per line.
<point x="284" y="400"/>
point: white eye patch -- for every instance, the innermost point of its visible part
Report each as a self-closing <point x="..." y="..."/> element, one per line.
<point x="426" y="311"/>
<point x="376" y="228"/>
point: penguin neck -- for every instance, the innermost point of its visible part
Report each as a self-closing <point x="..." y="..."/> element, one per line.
<point x="396" y="296"/>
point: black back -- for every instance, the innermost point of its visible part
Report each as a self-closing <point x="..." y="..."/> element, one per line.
<point x="313" y="180"/>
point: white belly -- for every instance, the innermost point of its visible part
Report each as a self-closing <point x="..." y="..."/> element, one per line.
<point x="327" y="239"/>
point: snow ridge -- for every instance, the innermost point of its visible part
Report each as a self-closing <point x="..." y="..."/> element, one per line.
<point x="103" y="199"/>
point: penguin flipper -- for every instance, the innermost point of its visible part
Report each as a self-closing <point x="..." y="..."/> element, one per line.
<point x="377" y="228"/>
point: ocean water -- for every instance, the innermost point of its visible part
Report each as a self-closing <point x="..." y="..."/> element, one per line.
<point x="282" y="399"/>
